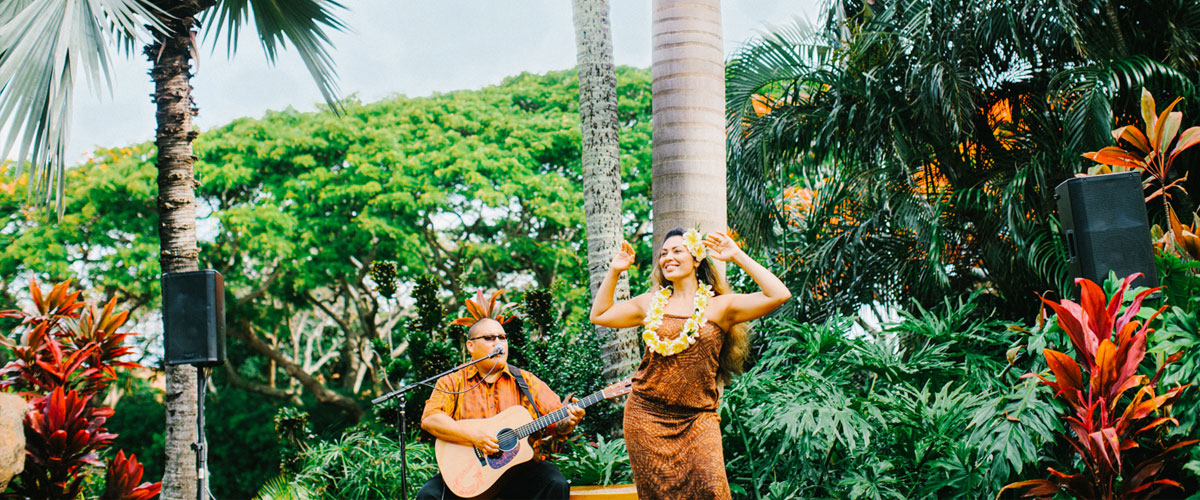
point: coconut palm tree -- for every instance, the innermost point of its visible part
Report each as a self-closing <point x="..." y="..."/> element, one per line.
<point x="601" y="168"/>
<point x="46" y="47"/>
<point x="688" y="75"/>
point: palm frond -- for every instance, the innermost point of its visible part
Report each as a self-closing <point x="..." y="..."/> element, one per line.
<point x="45" y="49"/>
<point x="765" y="91"/>
<point x="303" y="23"/>
<point x="1088" y="92"/>
<point x="280" y="488"/>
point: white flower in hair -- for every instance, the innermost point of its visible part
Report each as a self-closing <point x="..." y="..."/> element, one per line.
<point x="694" y="242"/>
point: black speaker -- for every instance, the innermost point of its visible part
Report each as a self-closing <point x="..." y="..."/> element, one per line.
<point x="194" y="318"/>
<point x="1104" y="221"/>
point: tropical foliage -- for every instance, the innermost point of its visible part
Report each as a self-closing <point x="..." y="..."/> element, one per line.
<point x="360" y="465"/>
<point x="1109" y="348"/>
<point x="908" y="149"/>
<point x="66" y="353"/>
<point x="901" y="155"/>
<point x="480" y="308"/>
<point x="916" y="411"/>
<point x="392" y="182"/>
<point x="1152" y="150"/>
<point x="49" y="48"/>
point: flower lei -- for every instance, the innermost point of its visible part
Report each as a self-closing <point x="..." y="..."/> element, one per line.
<point x="691" y="329"/>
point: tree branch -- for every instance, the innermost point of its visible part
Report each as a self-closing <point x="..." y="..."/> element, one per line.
<point x="323" y="394"/>
<point x="321" y="305"/>
<point x="241" y="383"/>
<point x="258" y="292"/>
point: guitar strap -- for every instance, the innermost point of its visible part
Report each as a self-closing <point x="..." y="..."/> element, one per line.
<point x="516" y="373"/>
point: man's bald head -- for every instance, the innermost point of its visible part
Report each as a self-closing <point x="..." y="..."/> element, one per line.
<point x="485" y="326"/>
<point x="479" y="347"/>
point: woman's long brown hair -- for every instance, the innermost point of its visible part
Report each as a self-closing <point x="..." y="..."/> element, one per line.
<point x="737" y="341"/>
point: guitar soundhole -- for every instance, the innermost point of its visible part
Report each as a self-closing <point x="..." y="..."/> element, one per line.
<point x="509" y="446"/>
<point x="507" y="439"/>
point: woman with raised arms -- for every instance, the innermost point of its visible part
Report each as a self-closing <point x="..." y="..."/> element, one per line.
<point x="691" y="325"/>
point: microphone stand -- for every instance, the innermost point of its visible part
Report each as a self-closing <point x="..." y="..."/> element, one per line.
<point x="399" y="393"/>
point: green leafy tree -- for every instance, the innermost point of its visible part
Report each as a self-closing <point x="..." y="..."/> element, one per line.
<point x="471" y="189"/>
<point x="47" y="47"/>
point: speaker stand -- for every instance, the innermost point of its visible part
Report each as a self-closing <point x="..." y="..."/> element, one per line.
<point x="200" y="445"/>
<point x="403" y="402"/>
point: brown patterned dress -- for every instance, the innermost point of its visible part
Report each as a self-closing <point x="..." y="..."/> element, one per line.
<point x="672" y="429"/>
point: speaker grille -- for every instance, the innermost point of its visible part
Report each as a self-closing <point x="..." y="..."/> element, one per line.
<point x="1104" y="221"/>
<point x="194" y="318"/>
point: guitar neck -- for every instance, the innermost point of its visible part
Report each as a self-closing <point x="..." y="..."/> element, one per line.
<point x="556" y="415"/>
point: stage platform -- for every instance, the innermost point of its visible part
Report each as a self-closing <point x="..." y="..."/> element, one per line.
<point x="613" y="492"/>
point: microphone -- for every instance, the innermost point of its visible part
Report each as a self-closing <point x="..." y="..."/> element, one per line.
<point x="496" y="352"/>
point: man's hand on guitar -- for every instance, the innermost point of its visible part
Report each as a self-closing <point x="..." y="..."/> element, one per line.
<point x="568" y="423"/>
<point x="484" y="441"/>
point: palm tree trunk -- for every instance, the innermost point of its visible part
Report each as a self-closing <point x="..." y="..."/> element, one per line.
<point x="169" y="55"/>
<point x="688" y="85"/>
<point x="602" y="170"/>
<point x="1110" y="14"/>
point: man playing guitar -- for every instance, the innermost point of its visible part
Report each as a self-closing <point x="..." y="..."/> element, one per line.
<point x="481" y="391"/>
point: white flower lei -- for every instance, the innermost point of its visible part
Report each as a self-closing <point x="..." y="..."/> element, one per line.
<point x="691" y="329"/>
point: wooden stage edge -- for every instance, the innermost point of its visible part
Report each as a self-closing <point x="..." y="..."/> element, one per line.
<point x="614" y="492"/>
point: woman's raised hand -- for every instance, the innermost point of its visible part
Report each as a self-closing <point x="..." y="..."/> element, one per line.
<point x="721" y="246"/>
<point x="624" y="258"/>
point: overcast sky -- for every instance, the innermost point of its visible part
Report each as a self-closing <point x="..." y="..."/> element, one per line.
<point x="396" y="47"/>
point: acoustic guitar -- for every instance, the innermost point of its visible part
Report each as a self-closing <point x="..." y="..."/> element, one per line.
<point x="471" y="474"/>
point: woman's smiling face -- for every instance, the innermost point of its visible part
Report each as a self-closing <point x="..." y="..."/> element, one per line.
<point x="674" y="260"/>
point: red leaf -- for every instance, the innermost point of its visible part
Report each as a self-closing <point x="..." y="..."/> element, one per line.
<point x="1106" y="368"/>
<point x="36" y="292"/>
<point x="1157" y="422"/>
<point x="492" y="301"/>
<point x="1187" y="139"/>
<point x="1158" y="139"/>
<point x="1134" y="307"/>
<point x="1035" y="487"/>
<point x="1116" y="156"/>
<point x="1144" y="471"/>
<point x="1134" y="136"/>
<point x="1095" y="309"/>
<point x="1177" y="446"/>
<point x="474" y="309"/>
<point x="1070" y="324"/>
<point x="1129" y="355"/>
<point x="1166" y="482"/>
<point x="1066" y="373"/>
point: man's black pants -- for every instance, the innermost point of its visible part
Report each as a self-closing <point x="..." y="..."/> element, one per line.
<point x="532" y="480"/>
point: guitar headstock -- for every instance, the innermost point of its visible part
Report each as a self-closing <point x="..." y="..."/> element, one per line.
<point x="618" y="389"/>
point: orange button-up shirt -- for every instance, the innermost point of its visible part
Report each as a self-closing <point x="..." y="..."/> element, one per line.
<point x="486" y="400"/>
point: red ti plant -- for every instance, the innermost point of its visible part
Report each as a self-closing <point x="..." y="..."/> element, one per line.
<point x="66" y="357"/>
<point x="122" y="480"/>
<point x="1151" y="151"/>
<point x="63" y="433"/>
<point x="1109" y="347"/>
<point x="1180" y="239"/>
